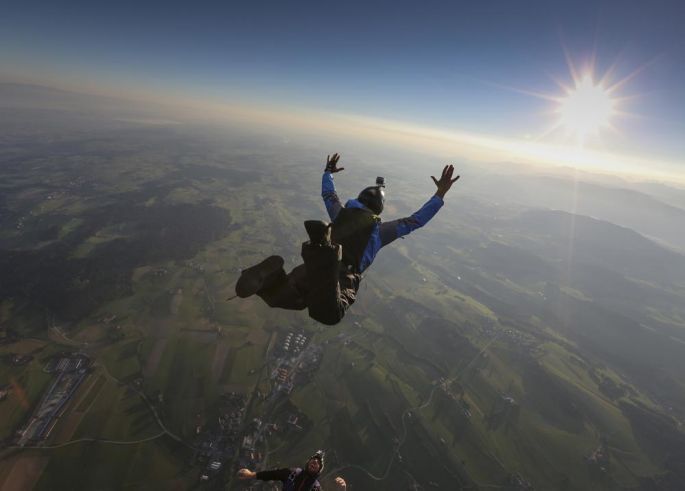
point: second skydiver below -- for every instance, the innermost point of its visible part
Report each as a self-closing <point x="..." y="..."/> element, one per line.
<point x="296" y="479"/>
<point x="338" y="253"/>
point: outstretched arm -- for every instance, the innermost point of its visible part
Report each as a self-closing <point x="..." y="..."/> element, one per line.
<point x="273" y="475"/>
<point x="404" y="226"/>
<point x="330" y="197"/>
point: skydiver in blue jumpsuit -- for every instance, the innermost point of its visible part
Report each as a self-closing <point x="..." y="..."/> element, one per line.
<point x="337" y="253"/>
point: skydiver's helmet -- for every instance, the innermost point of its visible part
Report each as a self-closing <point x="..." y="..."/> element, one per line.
<point x="319" y="455"/>
<point x="373" y="197"/>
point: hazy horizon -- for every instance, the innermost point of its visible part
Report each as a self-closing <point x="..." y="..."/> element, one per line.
<point x="440" y="142"/>
<point x="486" y="82"/>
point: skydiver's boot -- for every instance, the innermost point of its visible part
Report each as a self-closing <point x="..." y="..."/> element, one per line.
<point x="319" y="232"/>
<point x="290" y="293"/>
<point x="322" y="261"/>
<point x="264" y="275"/>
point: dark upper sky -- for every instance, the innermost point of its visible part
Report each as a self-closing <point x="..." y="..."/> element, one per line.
<point x="443" y="64"/>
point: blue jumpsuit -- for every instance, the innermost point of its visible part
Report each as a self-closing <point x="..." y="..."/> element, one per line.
<point x="384" y="233"/>
<point x="321" y="287"/>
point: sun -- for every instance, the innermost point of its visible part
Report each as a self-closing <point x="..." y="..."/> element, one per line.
<point x="587" y="108"/>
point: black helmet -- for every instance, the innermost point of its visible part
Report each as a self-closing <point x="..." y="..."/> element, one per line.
<point x="373" y="198"/>
<point x="319" y="455"/>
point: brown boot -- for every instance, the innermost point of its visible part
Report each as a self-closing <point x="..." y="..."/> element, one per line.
<point x="260" y="276"/>
<point x="319" y="232"/>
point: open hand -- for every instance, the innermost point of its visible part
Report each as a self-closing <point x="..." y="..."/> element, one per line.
<point x="446" y="181"/>
<point x="246" y="474"/>
<point x="340" y="482"/>
<point x="332" y="164"/>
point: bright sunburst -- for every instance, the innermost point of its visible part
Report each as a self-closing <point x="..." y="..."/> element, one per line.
<point x="586" y="108"/>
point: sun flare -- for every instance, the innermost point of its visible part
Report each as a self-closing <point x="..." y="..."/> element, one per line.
<point x="587" y="108"/>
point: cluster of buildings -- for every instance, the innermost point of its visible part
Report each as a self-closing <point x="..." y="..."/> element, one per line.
<point x="254" y="435"/>
<point x="218" y="442"/>
<point x="455" y="391"/>
<point x="254" y="439"/>
<point x="599" y="459"/>
<point x="295" y="360"/>
<point x="66" y="363"/>
<point x="294" y="342"/>
<point x="70" y="370"/>
<point x="519" y="338"/>
<point x="232" y="438"/>
<point x="489" y="328"/>
<point x="195" y="266"/>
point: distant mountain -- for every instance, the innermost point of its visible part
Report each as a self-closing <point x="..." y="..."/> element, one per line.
<point x="589" y="240"/>
<point x="40" y="104"/>
<point x="626" y="207"/>
<point x="39" y="96"/>
<point x="668" y="194"/>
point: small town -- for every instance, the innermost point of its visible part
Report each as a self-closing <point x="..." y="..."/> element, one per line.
<point x="230" y="441"/>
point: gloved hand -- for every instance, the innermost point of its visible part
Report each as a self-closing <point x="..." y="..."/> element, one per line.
<point x="446" y="181"/>
<point x="332" y="164"/>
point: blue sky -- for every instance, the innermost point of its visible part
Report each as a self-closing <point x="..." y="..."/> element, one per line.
<point x="439" y="64"/>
